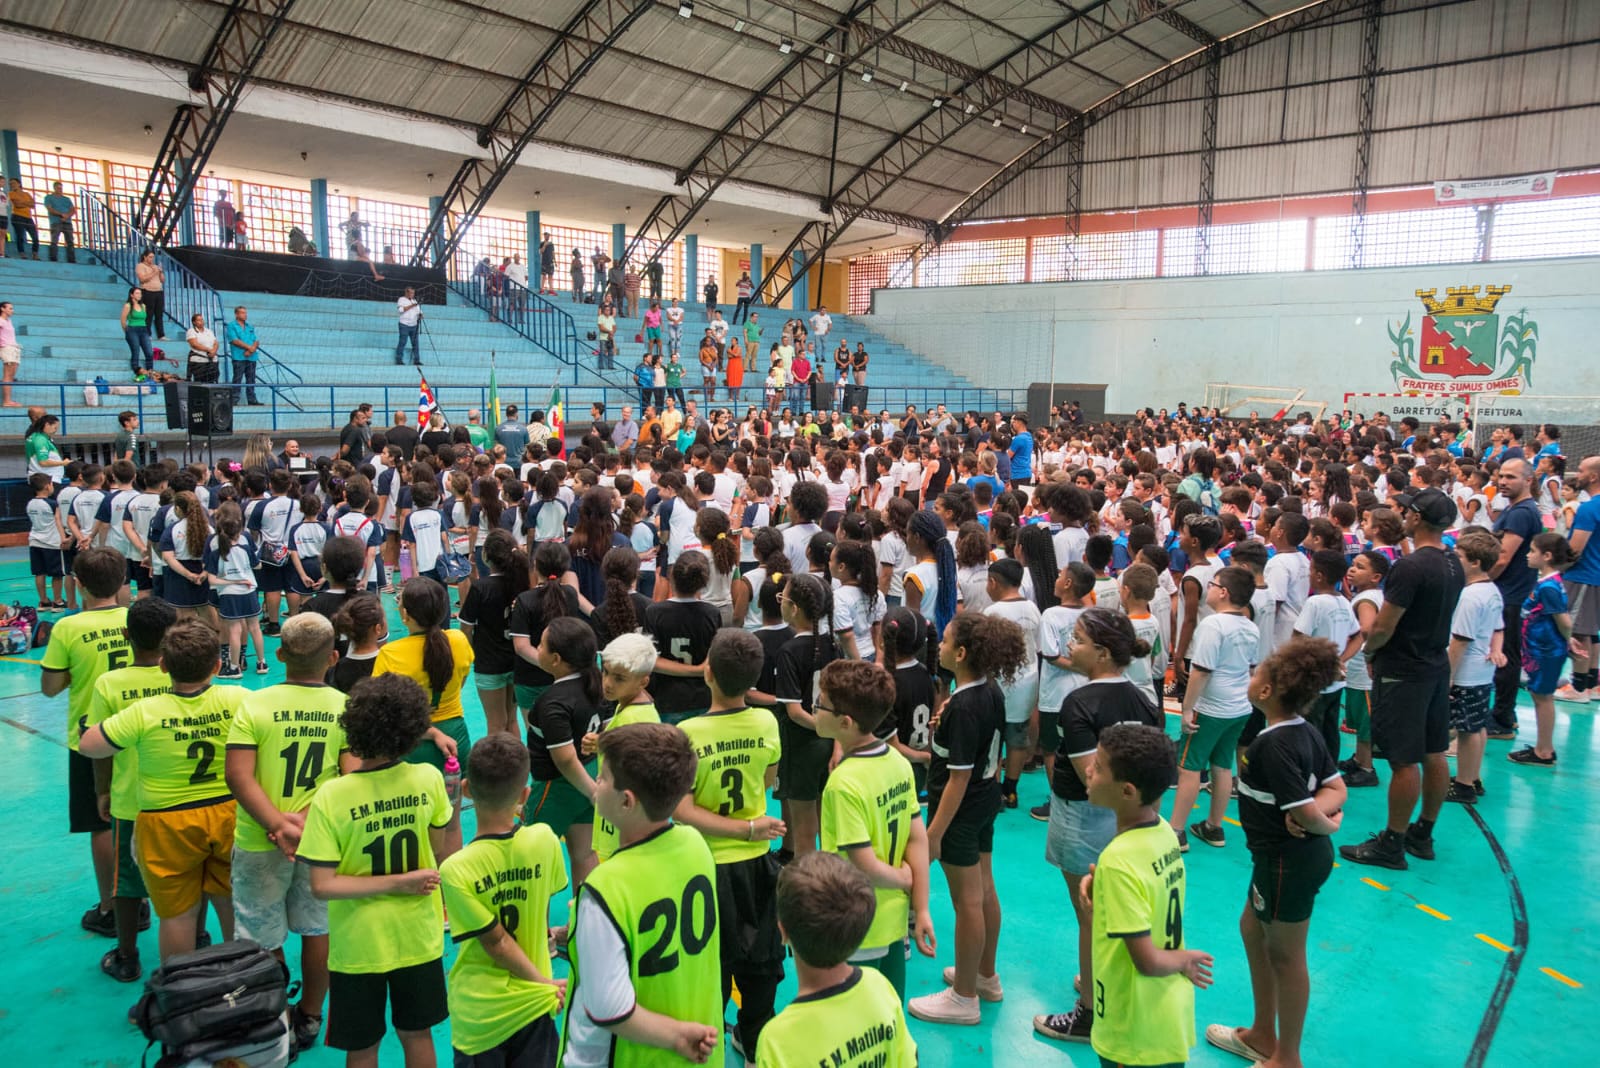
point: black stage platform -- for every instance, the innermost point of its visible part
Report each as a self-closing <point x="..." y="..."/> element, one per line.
<point x="308" y="276"/>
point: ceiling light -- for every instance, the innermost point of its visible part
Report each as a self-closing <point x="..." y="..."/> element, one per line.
<point x="685" y="8"/>
<point x="1024" y="128"/>
<point x="997" y="122"/>
<point x="829" y="58"/>
<point x="904" y="86"/>
<point x="786" y="46"/>
<point x="866" y="75"/>
<point x="738" y="25"/>
<point x="971" y="108"/>
<point x="939" y="101"/>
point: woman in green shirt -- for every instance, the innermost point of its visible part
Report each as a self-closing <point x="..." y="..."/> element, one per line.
<point x="136" y="330"/>
<point x="43" y="456"/>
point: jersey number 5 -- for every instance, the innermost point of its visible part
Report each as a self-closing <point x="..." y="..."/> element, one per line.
<point x="691" y="926"/>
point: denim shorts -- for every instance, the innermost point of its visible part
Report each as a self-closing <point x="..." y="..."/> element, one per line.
<point x="1078" y="831"/>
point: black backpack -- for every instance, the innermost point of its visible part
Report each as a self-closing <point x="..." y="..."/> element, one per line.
<point x="201" y="1005"/>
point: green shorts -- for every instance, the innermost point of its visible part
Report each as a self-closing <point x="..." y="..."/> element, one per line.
<point x="558" y="804"/>
<point x="428" y="753"/>
<point x="127" y="881"/>
<point x="526" y="696"/>
<point x="1212" y="745"/>
<point x="486" y="681"/>
<point x="1358" y="712"/>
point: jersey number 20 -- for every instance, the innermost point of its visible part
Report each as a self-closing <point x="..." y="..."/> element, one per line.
<point x="690" y="926"/>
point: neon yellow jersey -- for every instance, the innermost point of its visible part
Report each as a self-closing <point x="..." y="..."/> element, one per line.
<point x="294" y="730"/>
<point x="1139" y="890"/>
<point x="505" y="879"/>
<point x="375" y="822"/>
<point x="857" y="1024"/>
<point x="86" y="644"/>
<point x="114" y="691"/>
<point x="605" y="835"/>
<point x="404" y="657"/>
<point x="734" y="749"/>
<point x="871" y="799"/>
<point x="179" y="739"/>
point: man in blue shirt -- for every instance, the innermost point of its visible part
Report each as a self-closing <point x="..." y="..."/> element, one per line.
<point x="62" y="211"/>
<point x="1516" y="527"/>
<point x="242" y="346"/>
<point x="1582" y="581"/>
<point x="1549" y="439"/>
<point x="1021" y="450"/>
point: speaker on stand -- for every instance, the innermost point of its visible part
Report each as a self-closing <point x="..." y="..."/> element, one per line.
<point x="210" y="412"/>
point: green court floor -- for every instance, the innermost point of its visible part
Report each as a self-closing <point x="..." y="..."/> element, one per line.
<point x="1489" y="955"/>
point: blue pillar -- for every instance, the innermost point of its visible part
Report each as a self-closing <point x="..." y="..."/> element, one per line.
<point x="619" y="241"/>
<point x="12" y="158"/>
<point x="436" y="205"/>
<point x="755" y="267"/>
<point x="535" y="238"/>
<point x="319" y="215"/>
<point x="691" y="268"/>
<point x="801" y="282"/>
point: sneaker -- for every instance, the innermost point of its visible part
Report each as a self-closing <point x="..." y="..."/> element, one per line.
<point x="1009" y="800"/>
<point x="735" y="1041"/>
<point x="1384" y="850"/>
<point x="1041" y="812"/>
<point x="262" y="668"/>
<point x="271" y="630"/>
<point x="946" y="1007"/>
<point x="1461" y="793"/>
<point x="1577" y="697"/>
<point x="1529" y="758"/>
<point x="1211" y="836"/>
<point x="989" y="988"/>
<point x="1345" y="728"/>
<point x="230" y="672"/>
<point x="1477" y="788"/>
<point x="122" y="969"/>
<point x="100" y="922"/>
<point x="1183" y="842"/>
<point x="1070" y="1026"/>
<point x="1503" y="735"/>
<point x="1418" y="844"/>
<point x="305" y="1028"/>
<point x="1355" y="775"/>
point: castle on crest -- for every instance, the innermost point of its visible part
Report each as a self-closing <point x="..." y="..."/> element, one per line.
<point x="1462" y="300"/>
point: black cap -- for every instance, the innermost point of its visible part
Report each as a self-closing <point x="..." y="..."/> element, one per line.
<point x="1434" y="507"/>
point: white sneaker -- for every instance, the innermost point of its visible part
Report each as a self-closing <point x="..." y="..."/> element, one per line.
<point x="1576" y="697"/>
<point x="989" y="988"/>
<point x="946" y="1007"/>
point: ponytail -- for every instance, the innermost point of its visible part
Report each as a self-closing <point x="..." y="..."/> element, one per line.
<point x="551" y="561"/>
<point x="620" y="572"/>
<point x="428" y="605"/>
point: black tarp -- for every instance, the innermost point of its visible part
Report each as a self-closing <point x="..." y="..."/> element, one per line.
<point x="231" y="270"/>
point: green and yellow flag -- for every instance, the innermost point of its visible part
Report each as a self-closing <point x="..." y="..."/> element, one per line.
<point x="494" y="396"/>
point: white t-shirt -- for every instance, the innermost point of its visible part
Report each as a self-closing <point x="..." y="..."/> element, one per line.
<point x="1288" y="576"/>
<point x="1327" y="615"/>
<point x="1356" y="675"/>
<point x="1069" y="545"/>
<point x="1479" y="613"/>
<point x="926" y="574"/>
<point x="410" y="310"/>
<point x="1225" y="645"/>
<point x="1264" y="613"/>
<point x="852" y="611"/>
<point x="201" y="339"/>
<point x="1022" y="695"/>
<point x="891" y="550"/>
<point x="795" y="539"/>
<point x="1056" y="683"/>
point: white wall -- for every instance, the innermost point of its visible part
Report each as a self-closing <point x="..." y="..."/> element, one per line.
<point x="1156" y="342"/>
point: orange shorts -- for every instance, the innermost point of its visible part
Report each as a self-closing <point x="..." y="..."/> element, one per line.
<point x="184" y="853"/>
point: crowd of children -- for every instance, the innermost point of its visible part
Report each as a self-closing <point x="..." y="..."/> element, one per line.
<point x="885" y="629"/>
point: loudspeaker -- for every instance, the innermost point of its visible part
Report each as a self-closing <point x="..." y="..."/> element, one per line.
<point x="210" y="409"/>
<point x="822" y="396"/>
<point x="855" y="397"/>
<point x="177" y="397"/>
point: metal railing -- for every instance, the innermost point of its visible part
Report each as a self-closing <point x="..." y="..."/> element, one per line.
<point x="536" y="318"/>
<point x="120" y="246"/>
<point x="328" y="404"/>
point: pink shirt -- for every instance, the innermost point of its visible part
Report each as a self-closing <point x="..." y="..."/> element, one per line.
<point x="8" y="334"/>
<point x="652" y="317"/>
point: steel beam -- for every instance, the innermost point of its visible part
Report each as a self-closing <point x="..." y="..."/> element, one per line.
<point x="216" y="86"/>
<point x="1370" y="36"/>
<point x="763" y="114"/>
<point x="562" y="65"/>
<point x="1074" y="199"/>
<point x="1208" y="161"/>
<point x="1059" y="45"/>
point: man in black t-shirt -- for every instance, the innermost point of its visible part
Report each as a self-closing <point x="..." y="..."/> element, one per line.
<point x="352" y="440"/>
<point x="402" y="435"/>
<point x="1408" y="656"/>
<point x="1515" y="526"/>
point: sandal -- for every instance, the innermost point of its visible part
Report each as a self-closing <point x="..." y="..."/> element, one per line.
<point x="1227" y="1038"/>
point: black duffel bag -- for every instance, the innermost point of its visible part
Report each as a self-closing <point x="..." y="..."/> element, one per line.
<point x="198" y="1003"/>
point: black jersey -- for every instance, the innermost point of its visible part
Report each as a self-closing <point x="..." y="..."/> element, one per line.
<point x="561" y="716"/>
<point x="968" y="739"/>
<point x="602" y="629"/>
<point x="350" y="670"/>
<point x="682" y="629"/>
<point x="912" y="717"/>
<point x="1283" y="768"/>
<point x="772" y="641"/>
<point x="487" y="610"/>
<point x="1087" y="711"/>
<point x="528" y="621"/>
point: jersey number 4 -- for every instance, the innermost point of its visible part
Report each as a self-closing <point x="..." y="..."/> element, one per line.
<point x="689" y="926"/>
<point x="302" y="774"/>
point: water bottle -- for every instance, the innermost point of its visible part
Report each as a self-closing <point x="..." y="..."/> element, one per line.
<point x="452" y="779"/>
<point x="405" y="561"/>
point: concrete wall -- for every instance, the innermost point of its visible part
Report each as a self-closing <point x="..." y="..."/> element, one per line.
<point x="1160" y="341"/>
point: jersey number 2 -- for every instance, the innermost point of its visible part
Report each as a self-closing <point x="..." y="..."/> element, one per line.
<point x="691" y="926"/>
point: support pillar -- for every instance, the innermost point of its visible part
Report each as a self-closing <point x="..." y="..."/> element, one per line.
<point x="755" y="267"/>
<point x="691" y="268"/>
<point x="186" y="216"/>
<point x="619" y="241"/>
<point x="535" y="239"/>
<point x="319" y="215"/>
<point x="435" y="204"/>
<point x="11" y="157"/>
<point x="801" y="281"/>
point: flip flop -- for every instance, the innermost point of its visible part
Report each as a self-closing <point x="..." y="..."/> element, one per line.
<point x="1227" y="1038"/>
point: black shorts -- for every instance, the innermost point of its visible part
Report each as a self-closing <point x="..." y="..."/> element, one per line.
<point x="1284" y="886"/>
<point x="747" y="910"/>
<point x="1471" y="708"/>
<point x="1049" y="731"/>
<point x="139" y="576"/>
<point x="68" y="557"/>
<point x="1411" y="716"/>
<point x="972" y="831"/>
<point x="535" y="1046"/>
<point x="83" y="805"/>
<point x="415" y="996"/>
<point x="274" y="578"/>
<point x="1254" y="726"/>
<point x="46" y="562"/>
<point x="803" y="766"/>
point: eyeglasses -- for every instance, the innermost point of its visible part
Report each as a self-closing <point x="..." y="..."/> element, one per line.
<point x="818" y="706"/>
